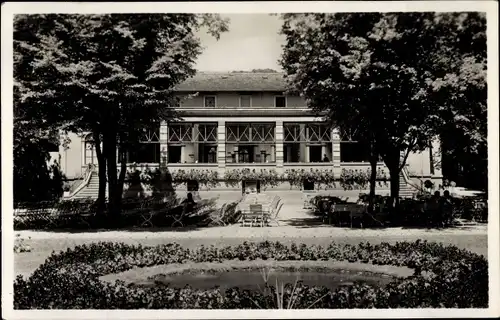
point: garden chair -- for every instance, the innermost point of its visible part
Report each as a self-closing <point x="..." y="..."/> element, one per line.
<point x="358" y="217"/>
<point x="341" y="214"/>
<point x="273" y="217"/>
<point x="178" y="218"/>
<point x="50" y="219"/>
<point x="198" y="209"/>
<point x="254" y="216"/>
<point x="217" y="218"/>
<point x="147" y="213"/>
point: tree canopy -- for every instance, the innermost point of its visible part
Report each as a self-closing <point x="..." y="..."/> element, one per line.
<point x="111" y="75"/>
<point x="394" y="78"/>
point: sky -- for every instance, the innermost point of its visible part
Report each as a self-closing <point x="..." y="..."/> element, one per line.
<point x="252" y="42"/>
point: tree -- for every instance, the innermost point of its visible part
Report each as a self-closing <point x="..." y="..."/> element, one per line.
<point x="460" y="94"/>
<point x="111" y="75"/>
<point x="34" y="180"/>
<point x="376" y="73"/>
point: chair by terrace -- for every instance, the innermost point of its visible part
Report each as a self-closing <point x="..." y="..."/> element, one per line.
<point x="218" y="216"/>
<point x="347" y="214"/>
<point x="275" y="209"/>
<point x="254" y="216"/>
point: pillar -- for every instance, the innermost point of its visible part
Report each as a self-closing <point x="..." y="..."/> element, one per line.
<point x="336" y="152"/>
<point x="437" y="157"/>
<point x="196" y="130"/>
<point x="221" y="146"/>
<point x="323" y="151"/>
<point x="163" y="143"/>
<point x="279" y="135"/>
<point x="183" y="153"/>
<point x="303" y="152"/>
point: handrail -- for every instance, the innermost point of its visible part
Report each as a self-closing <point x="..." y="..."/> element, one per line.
<point x="406" y="177"/>
<point x="87" y="174"/>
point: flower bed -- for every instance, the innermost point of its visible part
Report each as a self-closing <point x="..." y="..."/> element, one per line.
<point x="322" y="178"/>
<point x="444" y="277"/>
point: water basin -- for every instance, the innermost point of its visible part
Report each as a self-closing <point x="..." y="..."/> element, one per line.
<point x="254" y="279"/>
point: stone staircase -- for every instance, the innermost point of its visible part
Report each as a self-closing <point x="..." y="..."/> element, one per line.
<point x="405" y="190"/>
<point x="91" y="190"/>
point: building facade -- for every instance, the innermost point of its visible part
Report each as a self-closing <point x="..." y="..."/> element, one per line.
<point x="243" y="120"/>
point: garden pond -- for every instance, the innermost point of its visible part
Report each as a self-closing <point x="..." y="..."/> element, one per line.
<point x="253" y="279"/>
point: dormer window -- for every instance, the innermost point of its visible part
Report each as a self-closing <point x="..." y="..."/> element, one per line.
<point x="280" y="101"/>
<point x="209" y="102"/>
<point x="245" y="101"/>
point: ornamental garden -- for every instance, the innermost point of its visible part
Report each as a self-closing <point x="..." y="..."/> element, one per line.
<point x="402" y="275"/>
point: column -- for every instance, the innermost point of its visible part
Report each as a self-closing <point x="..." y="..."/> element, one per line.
<point x="236" y="151"/>
<point x="183" y="153"/>
<point x="336" y="152"/>
<point x="279" y="133"/>
<point x="196" y="145"/>
<point x="303" y="153"/>
<point x="436" y="157"/>
<point x="163" y="143"/>
<point x="221" y="146"/>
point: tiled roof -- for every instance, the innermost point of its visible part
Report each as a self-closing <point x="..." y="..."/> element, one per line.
<point x="248" y="81"/>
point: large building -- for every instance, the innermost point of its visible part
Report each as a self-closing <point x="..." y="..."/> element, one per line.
<point x="243" y="120"/>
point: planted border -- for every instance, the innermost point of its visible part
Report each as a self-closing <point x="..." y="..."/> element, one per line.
<point x="444" y="277"/>
<point x="349" y="179"/>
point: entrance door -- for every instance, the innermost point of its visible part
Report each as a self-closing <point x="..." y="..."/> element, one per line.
<point x="90" y="154"/>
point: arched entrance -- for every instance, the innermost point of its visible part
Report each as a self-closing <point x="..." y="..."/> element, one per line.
<point x="90" y="156"/>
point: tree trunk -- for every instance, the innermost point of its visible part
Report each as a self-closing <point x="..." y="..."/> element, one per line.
<point x="394" y="177"/>
<point x="110" y="148"/>
<point x="101" y="162"/>
<point x="431" y="158"/>
<point x="373" y="177"/>
<point x="121" y="177"/>
<point x="392" y="159"/>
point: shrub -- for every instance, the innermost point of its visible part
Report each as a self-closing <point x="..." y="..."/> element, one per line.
<point x="444" y="277"/>
<point x="20" y="246"/>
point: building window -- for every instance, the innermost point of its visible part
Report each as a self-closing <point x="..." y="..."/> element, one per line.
<point x="353" y="151"/>
<point x="174" y="154"/>
<point x="280" y="102"/>
<point x="315" y="154"/>
<point x="209" y="102"/>
<point x="245" y="101"/>
<point x="192" y="142"/>
<point x="207" y="153"/>
<point x="291" y="152"/>
<point x="250" y="143"/>
<point x="145" y="153"/>
<point x="307" y="142"/>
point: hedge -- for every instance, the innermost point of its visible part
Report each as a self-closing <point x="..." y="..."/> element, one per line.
<point x="445" y="276"/>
